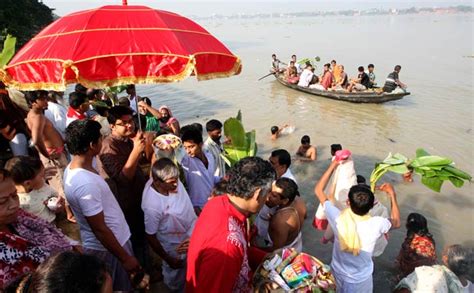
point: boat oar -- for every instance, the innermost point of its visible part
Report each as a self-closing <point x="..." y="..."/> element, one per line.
<point x="271" y="73"/>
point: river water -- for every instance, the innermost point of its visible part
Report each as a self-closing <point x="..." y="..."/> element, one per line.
<point x="437" y="116"/>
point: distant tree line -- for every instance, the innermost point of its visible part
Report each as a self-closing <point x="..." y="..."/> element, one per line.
<point x="23" y="19"/>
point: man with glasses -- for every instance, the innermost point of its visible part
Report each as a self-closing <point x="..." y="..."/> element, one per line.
<point x="169" y="221"/>
<point x="118" y="164"/>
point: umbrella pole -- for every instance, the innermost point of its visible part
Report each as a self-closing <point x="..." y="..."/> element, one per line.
<point x="138" y="112"/>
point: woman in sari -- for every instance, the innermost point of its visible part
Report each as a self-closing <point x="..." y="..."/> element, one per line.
<point x="25" y="240"/>
<point x="418" y="249"/>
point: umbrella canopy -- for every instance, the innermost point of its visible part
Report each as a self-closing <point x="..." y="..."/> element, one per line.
<point x="117" y="45"/>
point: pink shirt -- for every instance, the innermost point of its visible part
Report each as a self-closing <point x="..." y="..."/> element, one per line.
<point x="327" y="80"/>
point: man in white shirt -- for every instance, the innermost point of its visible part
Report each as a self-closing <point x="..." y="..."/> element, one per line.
<point x="104" y="230"/>
<point x="169" y="221"/>
<point x="214" y="146"/>
<point x="356" y="233"/>
<point x="306" y="76"/>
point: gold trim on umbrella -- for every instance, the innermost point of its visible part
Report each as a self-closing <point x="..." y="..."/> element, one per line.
<point x="120" y="8"/>
<point x="61" y="86"/>
<point x="236" y="69"/>
<point x="116" y="55"/>
<point x="119" y="29"/>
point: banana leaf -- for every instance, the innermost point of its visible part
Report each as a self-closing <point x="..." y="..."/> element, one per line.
<point x="459" y="173"/>
<point x="234" y="129"/>
<point x="430" y="161"/>
<point x="421" y="153"/>
<point x="8" y="50"/>
<point x="434" y="170"/>
<point x="433" y="183"/>
<point x="239" y="116"/>
<point x="243" y="144"/>
<point x="252" y="147"/>
<point x="456" y="181"/>
<point x="400" y="169"/>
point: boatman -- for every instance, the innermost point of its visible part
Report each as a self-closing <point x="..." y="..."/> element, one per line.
<point x="392" y="81"/>
<point x="276" y="64"/>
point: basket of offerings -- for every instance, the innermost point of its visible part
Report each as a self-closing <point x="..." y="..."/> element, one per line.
<point x="290" y="271"/>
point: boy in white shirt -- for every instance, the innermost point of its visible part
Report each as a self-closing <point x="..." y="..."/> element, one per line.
<point x="356" y="233"/>
<point x="104" y="230"/>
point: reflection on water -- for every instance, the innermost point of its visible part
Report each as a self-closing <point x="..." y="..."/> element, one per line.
<point x="438" y="116"/>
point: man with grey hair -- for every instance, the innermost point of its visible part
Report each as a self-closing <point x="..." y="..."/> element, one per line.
<point x="169" y="220"/>
<point x="219" y="258"/>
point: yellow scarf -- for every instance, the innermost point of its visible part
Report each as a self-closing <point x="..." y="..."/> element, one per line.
<point x="347" y="231"/>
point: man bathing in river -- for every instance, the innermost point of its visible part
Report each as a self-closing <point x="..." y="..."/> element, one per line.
<point x="306" y="151"/>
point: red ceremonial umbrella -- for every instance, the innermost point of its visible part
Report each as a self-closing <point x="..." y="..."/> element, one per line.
<point x="117" y="45"/>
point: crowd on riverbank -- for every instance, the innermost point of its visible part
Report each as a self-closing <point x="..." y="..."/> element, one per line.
<point x="141" y="186"/>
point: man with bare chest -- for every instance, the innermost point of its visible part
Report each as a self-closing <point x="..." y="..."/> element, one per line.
<point x="47" y="140"/>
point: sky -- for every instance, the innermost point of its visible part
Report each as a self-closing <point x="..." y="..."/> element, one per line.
<point x="228" y="7"/>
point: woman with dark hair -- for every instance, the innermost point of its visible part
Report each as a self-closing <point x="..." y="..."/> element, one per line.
<point x="67" y="272"/>
<point x="25" y="240"/>
<point x="418" y="249"/>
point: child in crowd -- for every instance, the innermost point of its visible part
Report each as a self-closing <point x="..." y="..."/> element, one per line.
<point x="36" y="197"/>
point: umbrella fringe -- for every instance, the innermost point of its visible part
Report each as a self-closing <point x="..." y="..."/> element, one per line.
<point x="236" y="69"/>
<point x="61" y="86"/>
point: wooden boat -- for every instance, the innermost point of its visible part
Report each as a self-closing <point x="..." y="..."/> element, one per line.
<point x="354" y="97"/>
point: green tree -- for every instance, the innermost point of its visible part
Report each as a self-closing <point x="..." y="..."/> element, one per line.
<point x="23" y="19"/>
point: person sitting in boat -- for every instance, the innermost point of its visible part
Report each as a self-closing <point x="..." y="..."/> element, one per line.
<point x="371" y="75"/>
<point x="361" y="83"/>
<point x="342" y="82"/>
<point x="392" y="81"/>
<point x="337" y="71"/>
<point x="326" y="77"/>
<point x="315" y="84"/>
<point x="298" y="66"/>
<point x="276" y="64"/>
<point x="306" y="76"/>
<point x="291" y="73"/>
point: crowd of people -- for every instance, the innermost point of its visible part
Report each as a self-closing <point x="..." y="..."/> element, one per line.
<point x="334" y="78"/>
<point x="108" y="194"/>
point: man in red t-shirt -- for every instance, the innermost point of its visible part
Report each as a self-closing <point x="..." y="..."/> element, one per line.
<point x="219" y="257"/>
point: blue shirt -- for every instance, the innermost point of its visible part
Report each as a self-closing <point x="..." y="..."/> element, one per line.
<point x="200" y="180"/>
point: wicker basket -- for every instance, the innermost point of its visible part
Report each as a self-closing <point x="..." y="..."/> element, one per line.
<point x="261" y="283"/>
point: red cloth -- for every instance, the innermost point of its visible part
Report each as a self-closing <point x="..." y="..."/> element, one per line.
<point x="326" y="81"/>
<point x="320" y="224"/>
<point x="218" y="255"/>
<point x="143" y="45"/>
<point x="71" y="113"/>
